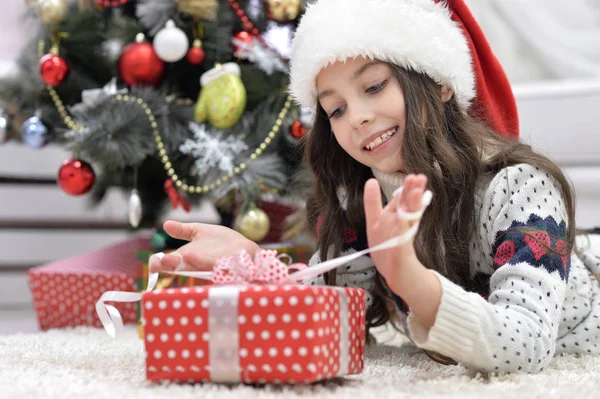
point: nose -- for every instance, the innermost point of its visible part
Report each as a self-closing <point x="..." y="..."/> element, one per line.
<point x="361" y="115"/>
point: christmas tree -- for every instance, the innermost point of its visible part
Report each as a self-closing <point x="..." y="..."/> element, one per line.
<point x="173" y="101"/>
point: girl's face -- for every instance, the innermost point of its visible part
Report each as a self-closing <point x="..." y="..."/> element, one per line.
<point x="366" y="109"/>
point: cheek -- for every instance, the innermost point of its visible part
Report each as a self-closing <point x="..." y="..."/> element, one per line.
<point x="345" y="141"/>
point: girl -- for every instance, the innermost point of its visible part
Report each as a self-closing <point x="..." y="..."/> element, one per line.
<point x="409" y="97"/>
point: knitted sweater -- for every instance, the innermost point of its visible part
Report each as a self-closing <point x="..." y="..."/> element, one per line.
<point x="524" y="303"/>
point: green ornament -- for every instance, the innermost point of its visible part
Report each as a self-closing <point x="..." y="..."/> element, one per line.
<point x="222" y="100"/>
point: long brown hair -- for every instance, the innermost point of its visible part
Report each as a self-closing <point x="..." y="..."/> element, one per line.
<point x="450" y="147"/>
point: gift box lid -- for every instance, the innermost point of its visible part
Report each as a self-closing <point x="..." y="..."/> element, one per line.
<point x="119" y="258"/>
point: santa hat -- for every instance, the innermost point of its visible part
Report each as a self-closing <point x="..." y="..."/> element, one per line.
<point x="438" y="38"/>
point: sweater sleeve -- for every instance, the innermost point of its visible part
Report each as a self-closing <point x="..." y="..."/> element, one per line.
<point x="516" y="328"/>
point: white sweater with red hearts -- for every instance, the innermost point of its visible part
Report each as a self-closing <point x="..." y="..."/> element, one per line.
<point x="525" y="303"/>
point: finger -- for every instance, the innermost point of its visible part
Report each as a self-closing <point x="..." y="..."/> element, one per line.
<point x="181" y="231"/>
<point x="372" y="201"/>
<point x="197" y="262"/>
<point x="415" y="196"/>
<point x="409" y="182"/>
<point x="168" y="262"/>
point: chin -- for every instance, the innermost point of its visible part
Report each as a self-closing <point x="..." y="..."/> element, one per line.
<point x="388" y="167"/>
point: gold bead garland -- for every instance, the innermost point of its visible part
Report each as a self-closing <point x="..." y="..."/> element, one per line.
<point x="162" y="152"/>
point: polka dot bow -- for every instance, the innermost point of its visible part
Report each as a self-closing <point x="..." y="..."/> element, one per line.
<point x="266" y="268"/>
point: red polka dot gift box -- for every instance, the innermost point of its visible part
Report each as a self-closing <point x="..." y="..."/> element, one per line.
<point x="270" y="333"/>
<point x="65" y="292"/>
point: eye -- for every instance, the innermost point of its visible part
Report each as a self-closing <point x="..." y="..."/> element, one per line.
<point x="376" y="88"/>
<point x="337" y="112"/>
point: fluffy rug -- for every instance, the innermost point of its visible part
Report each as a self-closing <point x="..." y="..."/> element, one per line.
<point x="86" y="363"/>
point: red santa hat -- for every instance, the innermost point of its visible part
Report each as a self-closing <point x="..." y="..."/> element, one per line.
<point x="439" y="38"/>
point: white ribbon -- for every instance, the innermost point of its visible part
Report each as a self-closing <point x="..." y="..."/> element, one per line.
<point x="344" y="332"/>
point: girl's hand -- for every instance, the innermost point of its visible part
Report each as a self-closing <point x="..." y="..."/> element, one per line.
<point x="208" y="242"/>
<point x="386" y="223"/>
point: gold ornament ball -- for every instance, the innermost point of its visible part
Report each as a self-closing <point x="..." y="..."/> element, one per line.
<point x="53" y="11"/>
<point x="283" y="10"/>
<point x="254" y="224"/>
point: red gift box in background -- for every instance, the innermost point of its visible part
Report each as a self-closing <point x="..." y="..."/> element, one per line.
<point x="271" y="333"/>
<point x="65" y="292"/>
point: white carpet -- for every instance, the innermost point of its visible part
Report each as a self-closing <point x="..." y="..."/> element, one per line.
<point x="86" y="363"/>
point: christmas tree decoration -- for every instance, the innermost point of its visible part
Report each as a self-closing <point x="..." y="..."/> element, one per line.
<point x="283" y="11"/>
<point x="140" y="65"/>
<point x="171" y="43"/>
<point x="53" y="68"/>
<point x="4" y="126"/>
<point x="154" y="14"/>
<point x="200" y="9"/>
<point x="196" y="54"/>
<point x="35" y="133"/>
<point x="76" y="177"/>
<point x="253" y="50"/>
<point x="297" y="130"/>
<point x="241" y="39"/>
<point x="134" y="209"/>
<point x="53" y="12"/>
<point x="175" y="197"/>
<point x="254" y="224"/>
<point x="111" y="3"/>
<point x="90" y="98"/>
<point x="222" y="100"/>
<point x="211" y="150"/>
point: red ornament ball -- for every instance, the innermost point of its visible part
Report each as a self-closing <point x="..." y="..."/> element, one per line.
<point x="53" y="69"/>
<point x="242" y="36"/>
<point x="297" y="130"/>
<point x="139" y="65"/>
<point x="76" y="177"/>
<point x="196" y="54"/>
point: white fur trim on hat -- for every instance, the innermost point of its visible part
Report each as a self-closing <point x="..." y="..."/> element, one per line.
<point x="415" y="34"/>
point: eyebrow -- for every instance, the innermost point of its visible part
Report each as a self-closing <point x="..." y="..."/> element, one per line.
<point x="355" y="75"/>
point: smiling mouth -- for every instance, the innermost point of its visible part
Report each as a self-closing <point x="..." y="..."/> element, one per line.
<point x="385" y="136"/>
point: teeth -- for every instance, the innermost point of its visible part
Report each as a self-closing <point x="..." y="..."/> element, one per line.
<point x="381" y="139"/>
